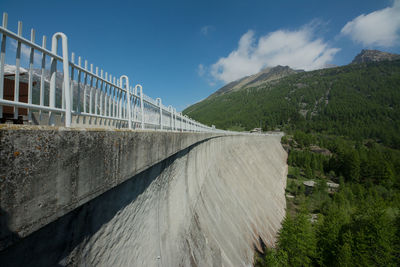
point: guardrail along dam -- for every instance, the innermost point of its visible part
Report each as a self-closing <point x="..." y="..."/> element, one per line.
<point x="75" y="197"/>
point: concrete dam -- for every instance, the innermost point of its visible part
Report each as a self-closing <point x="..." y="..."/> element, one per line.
<point x="74" y="197"/>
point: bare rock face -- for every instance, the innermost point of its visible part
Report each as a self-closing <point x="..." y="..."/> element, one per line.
<point x="207" y="205"/>
<point x="374" y="56"/>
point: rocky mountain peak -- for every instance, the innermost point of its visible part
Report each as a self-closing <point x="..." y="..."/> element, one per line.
<point x="374" y="56"/>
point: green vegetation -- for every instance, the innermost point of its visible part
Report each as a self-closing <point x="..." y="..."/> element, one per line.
<point x="342" y="128"/>
<point x="359" y="101"/>
<point x="356" y="225"/>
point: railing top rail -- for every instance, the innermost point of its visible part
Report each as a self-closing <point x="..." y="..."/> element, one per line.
<point x="29" y="43"/>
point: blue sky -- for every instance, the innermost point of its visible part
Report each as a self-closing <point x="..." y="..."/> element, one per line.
<point x="182" y="51"/>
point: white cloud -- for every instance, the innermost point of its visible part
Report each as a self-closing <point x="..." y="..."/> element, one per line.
<point x="26" y="52"/>
<point x="297" y="49"/>
<point x="380" y="28"/>
<point x="201" y="70"/>
<point x="205" y="30"/>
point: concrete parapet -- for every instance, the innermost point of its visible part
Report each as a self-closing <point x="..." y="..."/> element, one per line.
<point x="47" y="172"/>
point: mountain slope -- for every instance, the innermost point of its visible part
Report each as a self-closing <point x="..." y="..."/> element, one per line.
<point x="265" y="75"/>
<point x="358" y="100"/>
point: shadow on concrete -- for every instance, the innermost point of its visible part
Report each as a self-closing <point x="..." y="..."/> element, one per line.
<point x="10" y="236"/>
<point x="59" y="243"/>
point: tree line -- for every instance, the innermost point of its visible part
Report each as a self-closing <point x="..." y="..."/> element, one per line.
<point x="357" y="226"/>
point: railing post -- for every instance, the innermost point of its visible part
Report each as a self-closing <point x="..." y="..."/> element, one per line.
<point x="91" y="90"/>
<point x="96" y="91"/>
<point x="85" y="86"/>
<point x="67" y="92"/>
<point x="171" y="112"/>
<point x="41" y="101"/>
<point x="17" y="70"/>
<point x="141" y="105"/>
<point x="78" y="104"/>
<point x="30" y="78"/>
<point x="134" y="106"/>
<point x="2" y="59"/>
<point x="102" y="90"/>
<point x="185" y="124"/>
<point x="175" y="126"/>
<point x="53" y="76"/>
<point x="128" y="97"/>
<point x="181" y="119"/>
<point x="72" y="80"/>
<point x="160" y="105"/>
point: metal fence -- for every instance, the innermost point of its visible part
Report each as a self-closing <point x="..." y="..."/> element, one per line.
<point x="77" y="90"/>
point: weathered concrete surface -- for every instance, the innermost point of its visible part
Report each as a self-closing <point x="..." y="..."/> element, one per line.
<point x="46" y="172"/>
<point x="80" y="121"/>
<point x="204" y="206"/>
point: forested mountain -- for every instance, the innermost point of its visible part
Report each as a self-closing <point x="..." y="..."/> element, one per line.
<point x="342" y="130"/>
<point x="357" y="100"/>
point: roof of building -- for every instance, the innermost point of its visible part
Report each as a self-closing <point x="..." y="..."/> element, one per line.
<point x="10" y="70"/>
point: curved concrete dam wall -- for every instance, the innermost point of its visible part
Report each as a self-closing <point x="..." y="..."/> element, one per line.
<point x="206" y="205"/>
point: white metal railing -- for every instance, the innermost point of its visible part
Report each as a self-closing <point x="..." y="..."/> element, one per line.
<point x="81" y="90"/>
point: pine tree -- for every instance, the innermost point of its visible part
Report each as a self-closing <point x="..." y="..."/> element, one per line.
<point x="308" y="172"/>
<point x="297" y="239"/>
<point x="345" y="258"/>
